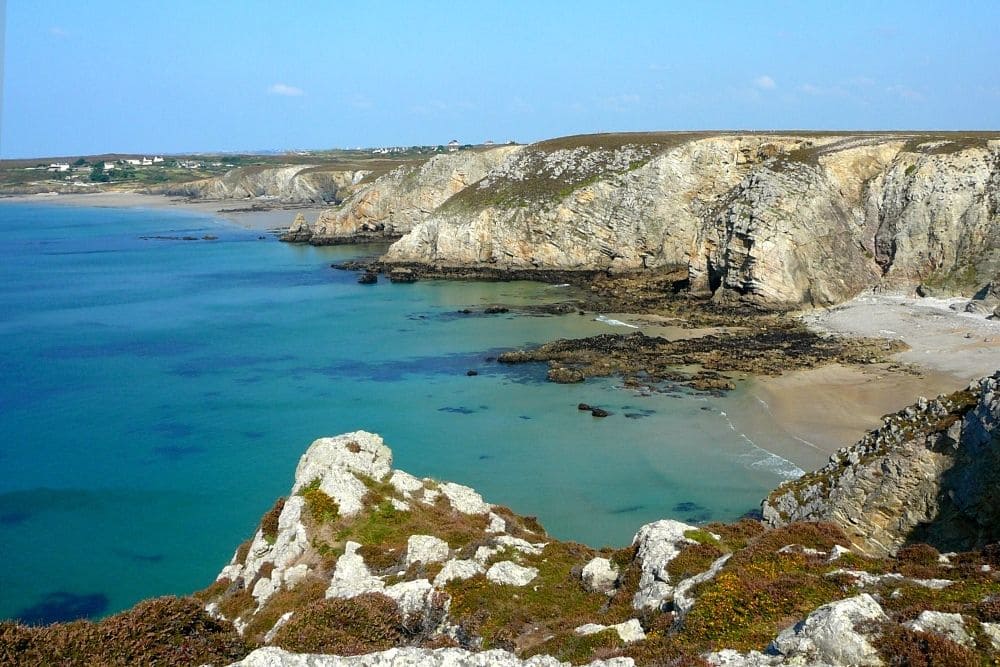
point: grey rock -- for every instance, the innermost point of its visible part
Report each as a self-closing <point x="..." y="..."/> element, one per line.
<point x="832" y="634"/>
<point x="951" y="626"/>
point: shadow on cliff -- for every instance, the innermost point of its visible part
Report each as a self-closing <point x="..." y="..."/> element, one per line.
<point x="968" y="497"/>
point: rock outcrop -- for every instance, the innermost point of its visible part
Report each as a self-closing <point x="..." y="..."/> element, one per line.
<point x="928" y="474"/>
<point x="366" y="565"/>
<point x="396" y="202"/>
<point x="412" y="657"/>
<point x="777" y="221"/>
<point x="297" y="184"/>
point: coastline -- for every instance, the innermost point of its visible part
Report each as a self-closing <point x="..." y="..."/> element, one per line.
<point x="831" y="407"/>
<point x="824" y="408"/>
<point x="224" y="209"/>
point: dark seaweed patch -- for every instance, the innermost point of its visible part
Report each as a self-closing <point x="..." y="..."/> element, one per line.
<point x="629" y="509"/>
<point x="461" y="410"/>
<point x="14" y="518"/>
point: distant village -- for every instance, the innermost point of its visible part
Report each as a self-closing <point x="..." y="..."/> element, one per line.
<point x="451" y="146"/>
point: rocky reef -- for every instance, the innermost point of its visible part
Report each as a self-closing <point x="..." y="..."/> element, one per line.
<point x="928" y="474"/>
<point x="779" y="221"/>
<point x="366" y="565"/>
<point x="297" y="184"/>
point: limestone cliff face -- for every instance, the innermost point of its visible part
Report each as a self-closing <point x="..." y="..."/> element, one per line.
<point x="777" y="221"/>
<point x="625" y="208"/>
<point x="936" y="214"/>
<point x="404" y="197"/>
<point x="928" y="474"/>
<point x="292" y="185"/>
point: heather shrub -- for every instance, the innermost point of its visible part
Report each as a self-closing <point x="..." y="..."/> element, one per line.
<point x="918" y="554"/>
<point x="269" y="522"/>
<point x="163" y="631"/>
<point x="363" y="624"/>
<point x="902" y="647"/>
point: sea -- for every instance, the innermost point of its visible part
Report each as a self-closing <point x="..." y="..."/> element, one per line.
<point x="162" y="371"/>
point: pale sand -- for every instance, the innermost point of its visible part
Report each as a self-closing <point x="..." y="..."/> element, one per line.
<point x="278" y="218"/>
<point x="832" y="407"/>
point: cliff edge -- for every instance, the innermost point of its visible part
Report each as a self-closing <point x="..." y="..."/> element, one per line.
<point x="930" y="473"/>
<point x="779" y="221"/>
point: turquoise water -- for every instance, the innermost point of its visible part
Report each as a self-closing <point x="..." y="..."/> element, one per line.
<point x="156" y="396"/>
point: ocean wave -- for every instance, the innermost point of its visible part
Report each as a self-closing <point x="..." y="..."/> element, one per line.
<point x="614" y="323"/>
<point x="758" y="457"/>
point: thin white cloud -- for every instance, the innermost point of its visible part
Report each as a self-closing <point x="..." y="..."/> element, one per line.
<point x="56" y="31"/>
<point x="285" y="90"/>
<point x="764" y="82"/>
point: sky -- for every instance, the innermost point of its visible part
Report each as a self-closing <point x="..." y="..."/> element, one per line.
<point x="220" y="75"/>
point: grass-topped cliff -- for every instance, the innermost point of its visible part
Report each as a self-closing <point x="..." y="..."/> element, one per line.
<point x="360" y="558"/>
<point x="778" y="220"/>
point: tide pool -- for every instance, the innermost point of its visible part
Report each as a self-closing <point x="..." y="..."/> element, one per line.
<point x="156" y="394"/>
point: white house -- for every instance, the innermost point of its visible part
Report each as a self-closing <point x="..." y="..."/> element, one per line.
<point x="109" y="165"/>
<point x="157" y="160"/>
<point x="453" y="145"/>
<point x="58" y="166"/>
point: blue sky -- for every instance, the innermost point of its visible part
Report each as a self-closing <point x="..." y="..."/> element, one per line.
<point x="90" y="77"/>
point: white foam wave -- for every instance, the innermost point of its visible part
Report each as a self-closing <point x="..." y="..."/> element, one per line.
<point x="758" y="457"/>
<point x="614" y="323"/>
<point x="561" y="285"/>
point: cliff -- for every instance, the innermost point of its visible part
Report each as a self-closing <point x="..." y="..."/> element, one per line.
<point x="298" y="184"/>
<point x="928" y="474"/>
<point x="777" y="221"/>
<point x="396" y="202"/>
<point x="363" y="564"/>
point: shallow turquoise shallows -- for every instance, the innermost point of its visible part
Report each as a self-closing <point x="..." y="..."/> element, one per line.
<point x="157" y="393"/>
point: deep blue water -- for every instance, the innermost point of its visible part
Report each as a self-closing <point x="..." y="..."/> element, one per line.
<point x="155" y="396"/>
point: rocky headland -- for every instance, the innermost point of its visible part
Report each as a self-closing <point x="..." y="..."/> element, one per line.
<point x="295" y="184"/>
<point x="928" y="474"/>
<point x="777" y="221"/>
<point x="364" y="564"/>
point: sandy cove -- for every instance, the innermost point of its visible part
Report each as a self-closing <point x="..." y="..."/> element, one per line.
<point x="269" y="220"/>
<point x="819" y="410"/>
<point x="831" y="407"/>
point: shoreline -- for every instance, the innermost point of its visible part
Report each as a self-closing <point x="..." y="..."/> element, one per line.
<point x="824" y="408"/>
<point x="833" y="406"/>
<point x="270" y="220"/>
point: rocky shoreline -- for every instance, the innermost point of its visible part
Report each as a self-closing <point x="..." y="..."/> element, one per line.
<point x="364" y="564"/>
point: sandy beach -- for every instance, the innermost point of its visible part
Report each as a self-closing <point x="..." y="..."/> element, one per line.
<point x="269" y="220"/>
<point x="831" y="407"/>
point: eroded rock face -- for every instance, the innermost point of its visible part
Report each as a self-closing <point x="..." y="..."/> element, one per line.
<point x="600" y="575"/>
<point x="404" y="197"/>
<point x="298" y="184"/>
<point x="657" y="544"/>
<point x="778" y="221"/>
<point x="928" y="474"/>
